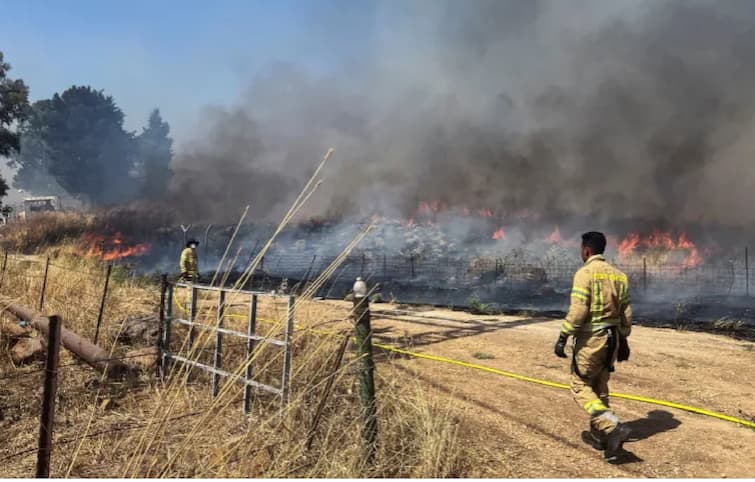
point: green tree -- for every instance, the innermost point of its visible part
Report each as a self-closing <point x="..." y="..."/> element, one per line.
<point x="78" y="139"/>
<point x="155" y="154"/>
<point x="14" y="104"/>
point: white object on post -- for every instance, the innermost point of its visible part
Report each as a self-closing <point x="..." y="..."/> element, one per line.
<point x="360" y="288"/>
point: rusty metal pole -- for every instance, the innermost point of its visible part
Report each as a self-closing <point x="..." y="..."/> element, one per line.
<point x="102" y="302"/>
<point x="90" y="353"/>
<point x="367" y="370"/>
<point x="5" y="265"/>
<point x="44" y="284"/>
<point x="48" y="402"/>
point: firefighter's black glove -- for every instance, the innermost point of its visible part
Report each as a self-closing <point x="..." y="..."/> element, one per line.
<point x="623" y="354"/>
<point x="561" y="345"/>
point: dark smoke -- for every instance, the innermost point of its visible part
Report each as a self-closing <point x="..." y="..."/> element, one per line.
<point x="608" y="110"/>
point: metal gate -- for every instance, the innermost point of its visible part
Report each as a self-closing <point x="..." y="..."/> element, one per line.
<point x="168" y="320"/>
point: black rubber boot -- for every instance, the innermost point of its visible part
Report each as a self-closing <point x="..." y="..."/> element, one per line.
<point x="594" y="440"/>
<point x="615" y="440"/>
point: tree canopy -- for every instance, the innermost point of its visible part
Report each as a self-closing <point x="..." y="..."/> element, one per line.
<point x="78" y="139"/>
<point x="14" y="104"/>
<point x="155" y="154"/>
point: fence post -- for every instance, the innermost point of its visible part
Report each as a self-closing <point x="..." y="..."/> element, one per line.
<point x="251" y="329"/>
<point x="411" y="265"/>
<point x="218" y="345"/>
<point x="166" y="327"/>
<point x="48" y="401"/>
<point x="286" y="378"/>
<point x="44" y="284"/>
<point x="644" y="274"/>
<point x="193" y="315"/>
<point x="5" y="264"/>
<point x="102" y="302"/>
<point x="161" y="333"/>
<point x="747" y="271"/>
<point x="367" y="371"/>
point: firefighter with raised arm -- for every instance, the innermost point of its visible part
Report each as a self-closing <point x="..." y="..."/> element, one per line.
<point x="189" y="262"/>
<point x="600" y="320"/>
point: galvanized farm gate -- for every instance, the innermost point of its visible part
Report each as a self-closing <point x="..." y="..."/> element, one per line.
<point x="168" y="319"/>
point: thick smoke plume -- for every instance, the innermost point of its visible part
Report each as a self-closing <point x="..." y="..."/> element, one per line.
<point x="607" y="110"/>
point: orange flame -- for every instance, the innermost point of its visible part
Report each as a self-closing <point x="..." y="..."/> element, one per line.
<point x="663" y="241"/>
<point x="499" y="234"/>
<point x="98" y="246"/>
<point x="629" y="244"/>
<point x="555" y="237"/>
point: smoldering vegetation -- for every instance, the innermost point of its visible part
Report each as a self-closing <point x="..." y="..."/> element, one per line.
<point x="607" y="111"/>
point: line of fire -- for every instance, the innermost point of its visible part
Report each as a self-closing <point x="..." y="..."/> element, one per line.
<point x="453" y="256"/>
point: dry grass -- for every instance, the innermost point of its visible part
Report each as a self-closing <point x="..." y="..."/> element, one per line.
<point x="149" y="427"/>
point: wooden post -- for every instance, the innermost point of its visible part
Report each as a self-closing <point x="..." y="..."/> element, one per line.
<point x="193" y="315"/>
<point x="366" y="374"/>
<point x="218" y="345"/>
<point x="102" y="302"/>
<point x="644" y="274"/>
<point x="5" y="264"/>
<point x="160" y="341"/>
<point x="48" y="401"/>
<point x="251" y="329"/>
<point x="286" y="377"/>
<point x="44" y="284"/>
<point x="747" y="271"/>
<point x="326" y="391"/>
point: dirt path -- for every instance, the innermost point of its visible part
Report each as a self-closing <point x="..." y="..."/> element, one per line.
<point x="527" y="430"/>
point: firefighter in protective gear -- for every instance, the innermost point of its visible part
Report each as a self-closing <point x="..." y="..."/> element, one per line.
<point x="599" y="315"/>
<point x="189" y="261"/>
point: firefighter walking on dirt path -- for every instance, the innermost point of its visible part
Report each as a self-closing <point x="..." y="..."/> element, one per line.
<point x="600" y="320"/>
<point x="190" y="262"/>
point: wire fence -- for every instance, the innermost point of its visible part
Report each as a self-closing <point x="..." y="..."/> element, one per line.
<point x="730" y="278"/>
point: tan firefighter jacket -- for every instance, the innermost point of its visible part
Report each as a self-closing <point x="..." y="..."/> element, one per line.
<point x="599" y="300"/>
<point x="189" y="263"/>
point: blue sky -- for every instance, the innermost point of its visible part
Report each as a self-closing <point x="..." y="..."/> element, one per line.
<point x="175" y="55"/>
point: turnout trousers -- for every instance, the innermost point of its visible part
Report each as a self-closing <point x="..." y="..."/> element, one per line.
<point x="589" y="379"/>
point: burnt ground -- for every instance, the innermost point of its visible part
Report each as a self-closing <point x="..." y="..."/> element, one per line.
<point x="528" y="430"/>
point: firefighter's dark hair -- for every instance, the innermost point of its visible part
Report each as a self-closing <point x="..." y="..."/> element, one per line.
<point x="190" y="242"/>
<point x="595" y="241"/>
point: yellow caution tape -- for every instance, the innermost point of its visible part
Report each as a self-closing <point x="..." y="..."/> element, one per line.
<point x="538" y="381"/>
